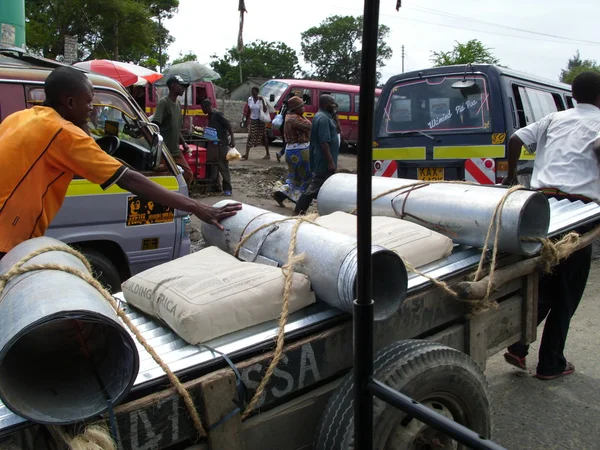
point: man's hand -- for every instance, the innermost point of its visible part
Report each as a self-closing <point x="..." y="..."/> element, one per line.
<point x="509" y="180"/>
<point x="331" y="167"/>
<point x="213" y="216"/>
<point x="187" y="148"/>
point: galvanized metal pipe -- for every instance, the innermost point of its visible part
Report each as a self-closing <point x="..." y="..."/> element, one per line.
<point x="63" y="350"/>
<point x="460" y="211"/>
<point x="330" y="263"/>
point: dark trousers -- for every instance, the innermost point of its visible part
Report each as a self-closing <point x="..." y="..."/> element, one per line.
<point x="311" y="192"/>
<point x="559" y="295"/>
<point x="223" y="167"/>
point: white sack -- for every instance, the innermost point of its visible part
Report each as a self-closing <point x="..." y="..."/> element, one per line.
<point x="415" y="244"/>
<point x="211" y="293"/>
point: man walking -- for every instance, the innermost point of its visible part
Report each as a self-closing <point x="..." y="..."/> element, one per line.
<point x="324" y="151"/>
<point x="217" y="120"/>
<point x="566" y="167"/>
<point x="168" y="117"/>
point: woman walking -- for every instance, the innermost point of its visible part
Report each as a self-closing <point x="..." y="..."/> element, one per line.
<point x="257" y="133"/>
<point x="297" y="153"/>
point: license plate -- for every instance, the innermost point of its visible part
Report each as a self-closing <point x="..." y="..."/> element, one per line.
<point x="430" y="173"/>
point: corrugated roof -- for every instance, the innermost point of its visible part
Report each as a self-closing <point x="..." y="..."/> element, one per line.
<point x="180" y="356"/>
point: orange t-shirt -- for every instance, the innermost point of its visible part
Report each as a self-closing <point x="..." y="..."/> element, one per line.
<point x="40" y="152"/>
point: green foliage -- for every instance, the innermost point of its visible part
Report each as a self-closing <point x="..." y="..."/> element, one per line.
<point x="333" y="49"/>
<point x="471" y="52"/>
<point x="259" y="59"/>
<point x="575" y="66"/>
<point x="124" y="30"/>
<point x="189" y="56"/>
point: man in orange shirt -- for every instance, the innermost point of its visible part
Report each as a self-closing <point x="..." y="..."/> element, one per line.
<point x="42" y="148"/>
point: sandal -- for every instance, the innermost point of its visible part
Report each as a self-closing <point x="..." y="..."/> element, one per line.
<point x="278" y="157"/>
<point x="569" y="369"/>
<point x="267" y="157"/>
<point x="245" y="158"/>
<point x="514" y="360"/>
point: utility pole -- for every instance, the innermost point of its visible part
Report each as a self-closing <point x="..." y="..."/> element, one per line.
<point x="403" y="58"/>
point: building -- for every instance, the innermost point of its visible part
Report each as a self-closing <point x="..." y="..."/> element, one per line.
<point x="242" y="92"/>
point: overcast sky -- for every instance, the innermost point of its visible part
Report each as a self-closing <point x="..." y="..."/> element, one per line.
<point x="420" y="25"/>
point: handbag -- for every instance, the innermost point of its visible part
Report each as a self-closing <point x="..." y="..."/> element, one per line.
<point x="277" y="121"/>
<point x="264" y="115"/>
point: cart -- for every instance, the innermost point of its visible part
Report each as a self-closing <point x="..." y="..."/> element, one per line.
<point x="432" y="350"/>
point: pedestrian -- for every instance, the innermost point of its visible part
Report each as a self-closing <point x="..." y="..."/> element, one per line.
<point x="297" y="153"/>
<point x="566" y="167"/>
<point x="42" y="148"/>
<point x="217" y="120"/>
<point x="284" y="111"/>
<point x="170" y="120"/>
<point x="324" y="151"/>
<point x="257" y="132"/>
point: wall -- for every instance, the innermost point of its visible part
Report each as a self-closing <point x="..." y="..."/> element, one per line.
<point x="233" y="112"/>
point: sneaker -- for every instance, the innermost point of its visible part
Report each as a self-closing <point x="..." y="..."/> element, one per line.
<point x="227" y="193"/>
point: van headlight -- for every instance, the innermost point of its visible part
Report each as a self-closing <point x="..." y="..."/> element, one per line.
<point x="186" y="227"/>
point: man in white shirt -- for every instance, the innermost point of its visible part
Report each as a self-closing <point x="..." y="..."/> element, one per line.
<point x="566" y="167"/>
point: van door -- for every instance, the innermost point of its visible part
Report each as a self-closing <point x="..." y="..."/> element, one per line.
<point x="12" y="99"/>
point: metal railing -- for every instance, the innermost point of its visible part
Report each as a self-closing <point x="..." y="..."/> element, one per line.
<point x="364" y="384"/>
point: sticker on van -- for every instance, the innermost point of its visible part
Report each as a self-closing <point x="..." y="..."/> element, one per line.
<point x="146" y="212"/>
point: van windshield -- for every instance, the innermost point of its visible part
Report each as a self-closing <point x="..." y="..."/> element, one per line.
<point x="432" y="105"/>
<point x="277" y="88"/>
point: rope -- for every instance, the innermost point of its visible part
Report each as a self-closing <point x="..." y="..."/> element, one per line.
<point x="17" y="270"/>
<point x="288" y="272"/>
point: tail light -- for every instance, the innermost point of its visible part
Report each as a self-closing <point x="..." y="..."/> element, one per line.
<point x="501" y="170"/>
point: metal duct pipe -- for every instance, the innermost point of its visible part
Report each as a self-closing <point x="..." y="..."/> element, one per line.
<point x="63" y="350"/>
<point x="330" y="263"/>
<point x="460" y="211"/>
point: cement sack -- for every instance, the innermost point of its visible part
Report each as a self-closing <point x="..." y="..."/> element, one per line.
<point x="211" y="293"/>
<point x="415" y="244"/>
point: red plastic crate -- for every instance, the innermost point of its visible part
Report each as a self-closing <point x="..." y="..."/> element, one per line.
<point x="198" y="165"/>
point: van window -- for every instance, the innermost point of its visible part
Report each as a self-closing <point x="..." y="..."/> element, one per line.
<point x="433" y="105"/>
<point x="200" y="94"/>
<point x="304" y="94"/>
<point x="571" y="102"/>
<point x="343" y="101"/>
<point x="541" y="102"/>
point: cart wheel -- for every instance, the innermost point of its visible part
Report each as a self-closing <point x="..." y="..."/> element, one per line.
<point x="440" y="377"/>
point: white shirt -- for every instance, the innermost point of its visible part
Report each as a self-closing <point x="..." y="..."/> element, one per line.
<point x="564" y="151"/>
<point x="255" y="107"/>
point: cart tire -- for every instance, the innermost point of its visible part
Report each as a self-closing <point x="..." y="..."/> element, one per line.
<point x="440" y="377"/>
<point x="103" y="270"/>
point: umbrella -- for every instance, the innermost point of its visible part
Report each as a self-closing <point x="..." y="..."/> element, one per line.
<point x="191" y="72"/>
<point x="126" y="73"/>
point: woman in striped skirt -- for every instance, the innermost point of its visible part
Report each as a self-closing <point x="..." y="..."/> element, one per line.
<point x="257" y="133"/>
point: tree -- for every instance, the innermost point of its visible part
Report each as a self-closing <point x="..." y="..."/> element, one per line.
<point x="575" y="66"/>
<point x="126" y="30"/>
<point x="471" y="52"/>
<point x="259" y="59"/>
<point x="332" y="49"/>
<point x="189" y="56"/>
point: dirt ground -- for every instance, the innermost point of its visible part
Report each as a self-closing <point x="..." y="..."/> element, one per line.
<point x="528" y="413"/>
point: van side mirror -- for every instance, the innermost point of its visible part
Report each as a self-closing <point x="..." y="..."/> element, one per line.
<point x="156" y="151"/>
<point x="272" y="98"/>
